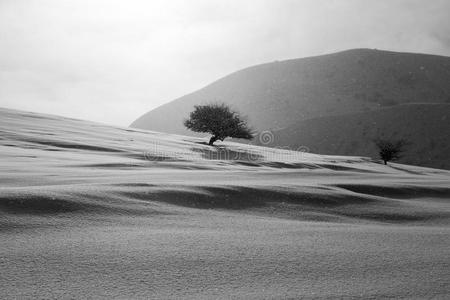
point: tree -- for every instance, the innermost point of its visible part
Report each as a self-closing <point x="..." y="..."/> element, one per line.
<point x="218" y="120"/>
<point x="390" y="149"/>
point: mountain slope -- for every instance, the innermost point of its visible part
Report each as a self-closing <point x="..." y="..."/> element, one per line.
<point x="276" y="95"/>
<point x="425" y="127"/>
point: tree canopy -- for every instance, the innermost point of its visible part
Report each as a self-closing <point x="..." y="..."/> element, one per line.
<point x="218" y="120"/>
<point x="390" y="149"/>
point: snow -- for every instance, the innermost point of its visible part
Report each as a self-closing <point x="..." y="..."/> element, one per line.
<point x="94" y="211"/>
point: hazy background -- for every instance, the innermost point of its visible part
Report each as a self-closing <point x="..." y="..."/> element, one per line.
<point x="111" y="61"/>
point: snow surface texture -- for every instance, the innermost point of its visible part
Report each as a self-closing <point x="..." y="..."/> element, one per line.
<point x="93" y="211"/>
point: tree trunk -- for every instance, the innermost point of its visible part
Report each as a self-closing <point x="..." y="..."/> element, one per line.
<point x="385" y="162"/>
<point x="212" y="140"/>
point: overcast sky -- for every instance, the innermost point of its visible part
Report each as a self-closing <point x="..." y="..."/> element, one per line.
<point x="111" y="61"/>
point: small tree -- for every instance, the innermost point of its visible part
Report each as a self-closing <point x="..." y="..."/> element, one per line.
<point x="390" y="149"/>
<point x="218" y="120"/>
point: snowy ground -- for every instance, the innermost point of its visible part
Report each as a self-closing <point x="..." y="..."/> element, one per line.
<point x="93" y="211"/>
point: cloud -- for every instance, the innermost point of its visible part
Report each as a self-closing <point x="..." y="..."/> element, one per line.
<point x="111" y="61"/>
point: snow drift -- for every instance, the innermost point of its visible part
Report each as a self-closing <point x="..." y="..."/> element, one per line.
<point x="93" y="211"/>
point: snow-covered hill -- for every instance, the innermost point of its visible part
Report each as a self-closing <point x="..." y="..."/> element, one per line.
<point x="90" y="210"/>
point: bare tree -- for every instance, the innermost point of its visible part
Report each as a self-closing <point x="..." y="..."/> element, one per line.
<point x="390" y="149"/>
<point x="218" y="120"/>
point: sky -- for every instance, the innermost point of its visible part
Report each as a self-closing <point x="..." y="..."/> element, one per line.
<point x="111" y="61"/>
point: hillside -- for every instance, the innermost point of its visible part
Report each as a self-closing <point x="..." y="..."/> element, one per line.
<point x="425" y="127"/>
<point x="280" y="94"/>
<point x="52" y="152"/>
<point x="89" y="210"/>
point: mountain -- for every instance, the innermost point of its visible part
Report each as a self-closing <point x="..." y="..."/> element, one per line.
<point x="275" y="96"/>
